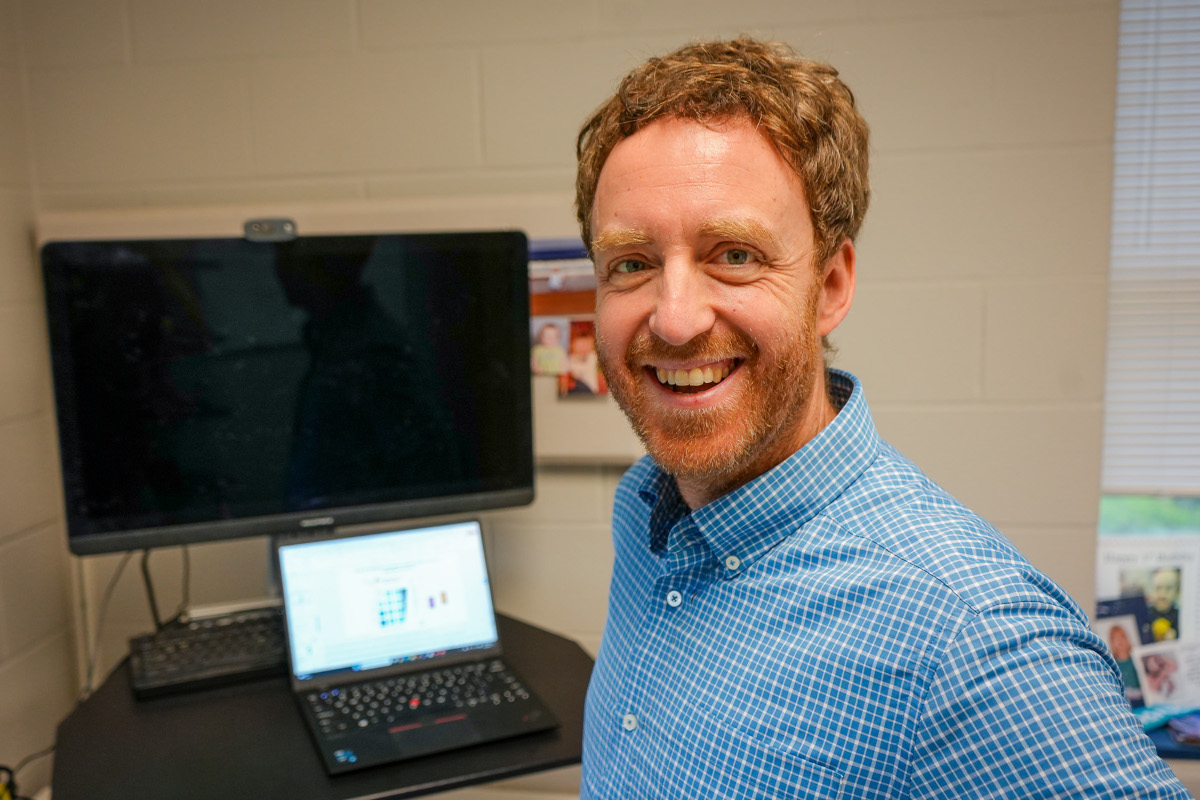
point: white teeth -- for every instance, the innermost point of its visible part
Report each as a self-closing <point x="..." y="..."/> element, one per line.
<point x="694" y="377"/>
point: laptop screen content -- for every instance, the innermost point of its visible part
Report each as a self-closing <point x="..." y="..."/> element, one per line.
<point x="377" y="600"/>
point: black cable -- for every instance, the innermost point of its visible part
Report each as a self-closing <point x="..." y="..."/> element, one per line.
<point x="185" y="587"/>
<point x="10" y="782"/>
<point x="185" y="590"/>
<point x="158" y="623"/>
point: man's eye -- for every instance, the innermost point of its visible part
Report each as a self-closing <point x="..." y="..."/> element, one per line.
<point x="738" y="257"/>
<point x="629" y="265"/>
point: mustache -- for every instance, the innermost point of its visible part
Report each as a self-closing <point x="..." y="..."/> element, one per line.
<point x="709" y="346"/>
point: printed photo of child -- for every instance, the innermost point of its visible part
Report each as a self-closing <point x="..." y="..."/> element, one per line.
<point x="548" y="355"/>
<point x="582" y="376"/>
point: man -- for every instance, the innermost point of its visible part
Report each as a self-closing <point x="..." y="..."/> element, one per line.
<point x="1162" y="596"/>
<point x="796" y="611"/>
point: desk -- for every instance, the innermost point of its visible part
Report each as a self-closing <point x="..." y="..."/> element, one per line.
<point x="1169" y="748"/>
<point x="249" y="740"/>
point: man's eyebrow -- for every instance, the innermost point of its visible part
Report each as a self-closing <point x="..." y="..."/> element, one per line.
<point x="621" y="237"/>
<point x="746" y="231"/>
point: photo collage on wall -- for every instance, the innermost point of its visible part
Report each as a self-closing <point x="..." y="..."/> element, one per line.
<point x="1147" y="615"/>
<point x="562" y="331"/>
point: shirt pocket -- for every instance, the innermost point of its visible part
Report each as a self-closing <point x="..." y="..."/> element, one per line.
<point x="755" y="769"/>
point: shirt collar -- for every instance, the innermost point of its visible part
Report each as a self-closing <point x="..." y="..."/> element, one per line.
<point x="659" y="491"/>
<point x="751" y="519"/>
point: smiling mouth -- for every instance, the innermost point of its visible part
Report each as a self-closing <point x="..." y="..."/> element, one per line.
<point x="696" y="379"/>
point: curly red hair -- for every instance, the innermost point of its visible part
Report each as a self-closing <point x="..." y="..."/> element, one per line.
<point x="801" y="105"/>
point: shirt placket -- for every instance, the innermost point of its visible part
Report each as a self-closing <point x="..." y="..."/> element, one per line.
<point x="648" y="676"/>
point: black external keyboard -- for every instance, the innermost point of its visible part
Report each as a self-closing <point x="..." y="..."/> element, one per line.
<point x="206" y="652"/>
<point x="390" y="701"/>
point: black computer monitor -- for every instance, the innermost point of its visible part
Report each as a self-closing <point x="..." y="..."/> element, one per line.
<point x="209" y="389"/>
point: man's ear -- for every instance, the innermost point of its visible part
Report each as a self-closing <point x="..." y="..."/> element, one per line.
<point x="837" y="288"/>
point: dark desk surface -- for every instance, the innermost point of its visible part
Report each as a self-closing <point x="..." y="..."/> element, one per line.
<point x="249" y="740"/>
<point x="1169" y="748"/>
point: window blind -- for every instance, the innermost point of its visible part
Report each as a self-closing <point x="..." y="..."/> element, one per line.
<point x="1152" y="404"/>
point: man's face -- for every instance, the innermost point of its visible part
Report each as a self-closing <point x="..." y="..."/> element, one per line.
<point x="710" y="310"/>
<point x="1164" y="590"/>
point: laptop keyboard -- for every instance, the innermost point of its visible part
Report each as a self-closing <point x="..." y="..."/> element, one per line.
<point x="395" y="701"/>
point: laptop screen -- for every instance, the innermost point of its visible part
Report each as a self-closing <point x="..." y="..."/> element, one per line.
<point x="382" y="599"/>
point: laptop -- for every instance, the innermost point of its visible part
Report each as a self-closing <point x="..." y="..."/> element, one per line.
<point x="393" y="648"/>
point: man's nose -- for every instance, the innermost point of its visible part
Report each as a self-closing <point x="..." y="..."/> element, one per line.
<point x="683" y="309"/>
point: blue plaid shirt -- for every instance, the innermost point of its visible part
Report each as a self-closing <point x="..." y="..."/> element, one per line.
<point x="842" y="627"/>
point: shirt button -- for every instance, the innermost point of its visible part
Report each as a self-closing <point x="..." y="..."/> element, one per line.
<point x="674" y="599"/>
<point x="629" y="722"/>
<point x="732" y="563"/>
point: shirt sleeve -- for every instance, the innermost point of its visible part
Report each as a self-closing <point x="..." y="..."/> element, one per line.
<point x="1026" y="703"/>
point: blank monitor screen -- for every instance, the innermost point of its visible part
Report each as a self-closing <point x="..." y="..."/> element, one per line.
<point x="215" y="388"/>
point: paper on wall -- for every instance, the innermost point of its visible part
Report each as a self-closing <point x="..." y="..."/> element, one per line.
<point x="1165" y="570"/>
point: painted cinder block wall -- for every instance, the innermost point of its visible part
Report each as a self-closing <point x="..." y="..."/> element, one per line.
<point x="979" y="323"/>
